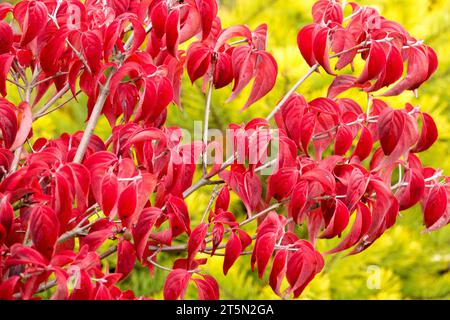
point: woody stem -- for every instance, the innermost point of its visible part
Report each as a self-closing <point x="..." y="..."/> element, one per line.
<point x="93" y="119"/>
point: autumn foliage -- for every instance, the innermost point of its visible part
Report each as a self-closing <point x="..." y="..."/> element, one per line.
<point x="70" y="202"/>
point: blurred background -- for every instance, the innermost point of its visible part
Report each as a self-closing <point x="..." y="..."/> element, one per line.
<point x="404" y="263"/>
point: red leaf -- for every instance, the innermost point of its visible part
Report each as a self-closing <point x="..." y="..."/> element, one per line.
<point x="278" y="270"/>
<point x="44" y="229"/>
<point x="159" y="17"/>
<point x="302" y="266"/>
<point x="428" y="135"/>
<point x="223" y="199"/>
<point x="6" y="214"/>
<point x="232" y="32"/>
<point x="324" y="11"/>
<point x="259" y="37"/>
<point x="411" y="194"/>
<point x="394" y="68"/>
<point x="25" y="121"/>
<point x="4" y="9"/>
<point x="8" y="124"/>
<point x="397" y="131"/>
<point x="176" y="207"/>
<point x="265" y="77"/>
<point x="435" y="205"/>
<point x="281" y="183"/>
<point x="432" y="61"/>
<point x="365" y="144"/>
<point x="32" y="17"/>
<point x="208" y="288"/>
<point x="173" y="32"/>
<point x="8" y="288"/>
<point x="196" y="240"/>
<point x="109" y="193"/>
<point x="3" y="235"/>
<point x="92" y="50"/>
<point x="217" y="233"/>
<point x="343" y="140"/>
<point x="356" y="187"/>
<point x="143" y="229"/>
<point x="340" y="84"/>
<point x="343" y="41"/>
<point x="384" y="210"/>
<point x="390" y="129"/>
<point x="52" y="52"/>
<point x="246" y="184"/>
<point x="360" y="227"/>
<point x="208" y="11"/>
<point x="233" y="250"/>
<point x="297" y="206"/>
<point x="126" y="258"/>
<point x="321" y="48"/>
<point x="418" y="70"/>
<point x="79" y="180"/>
<point x="198" y="60"/>
<point x="176" y="284"/>
<point x="223" y="71"/>
<point x="99" y="232"/>
<point x="338" y="222"/>
<point x="126" y="204"/>
<point x="267" y="235"/>
<point x="375" y="63"/>
<point x="243" y="61"/>
<point x="21" y="254"/>
<point x="5" y="65"/>
<point x="245" y="238"/>
<point x="6" y="37"/>
<point x="103" y="293"/>
<point x="305" y="42"/>
<point x="139" y="35"/>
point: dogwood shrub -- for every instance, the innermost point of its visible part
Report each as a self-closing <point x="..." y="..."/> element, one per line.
<point x="68" y="203"/>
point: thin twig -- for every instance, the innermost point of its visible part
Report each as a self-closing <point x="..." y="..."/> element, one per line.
<point x="16" y="159"/>
<point x="292" y="90"/>
<point x="16" y="83"/>
<point x="206" y="128"/>
<point x="213" y="197"/>
<point x="37" y="116"/>
<point x="50" y="102"/>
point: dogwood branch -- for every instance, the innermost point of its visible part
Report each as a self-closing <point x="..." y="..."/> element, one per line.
<point x="50" y="102"/>
<point x="37" y="116"/>
<point x="206" y="126"/>
<point x="56" y="75"/>
<point x="52" y="283"/>
<point x="291" y="91"/>
<point x="214" y="195"/>
<point x="93" y="119"/>
<point x="205" y="180"/>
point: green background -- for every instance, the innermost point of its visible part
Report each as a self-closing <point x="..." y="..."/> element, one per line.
<point x="404" y="263"/>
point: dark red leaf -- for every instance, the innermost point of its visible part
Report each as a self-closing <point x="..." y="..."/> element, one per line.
<point x="44" y="229"/>
<point x="428" y="134"/>
<point x="32" y="17"/>
<point x="176" y="284"/>
<point x="126" y="258"/>
<point x="173" y="32"/>
<point x="196" y="240"/>
<point x="233" y="250"/>
<point x="265" y="77"/>
<point x="109" y="193"/>
<point x="208" y="288"/>
<point x="338" y="221"/>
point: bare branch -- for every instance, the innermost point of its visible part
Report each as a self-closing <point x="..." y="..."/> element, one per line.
<point x="92" y="123"/>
